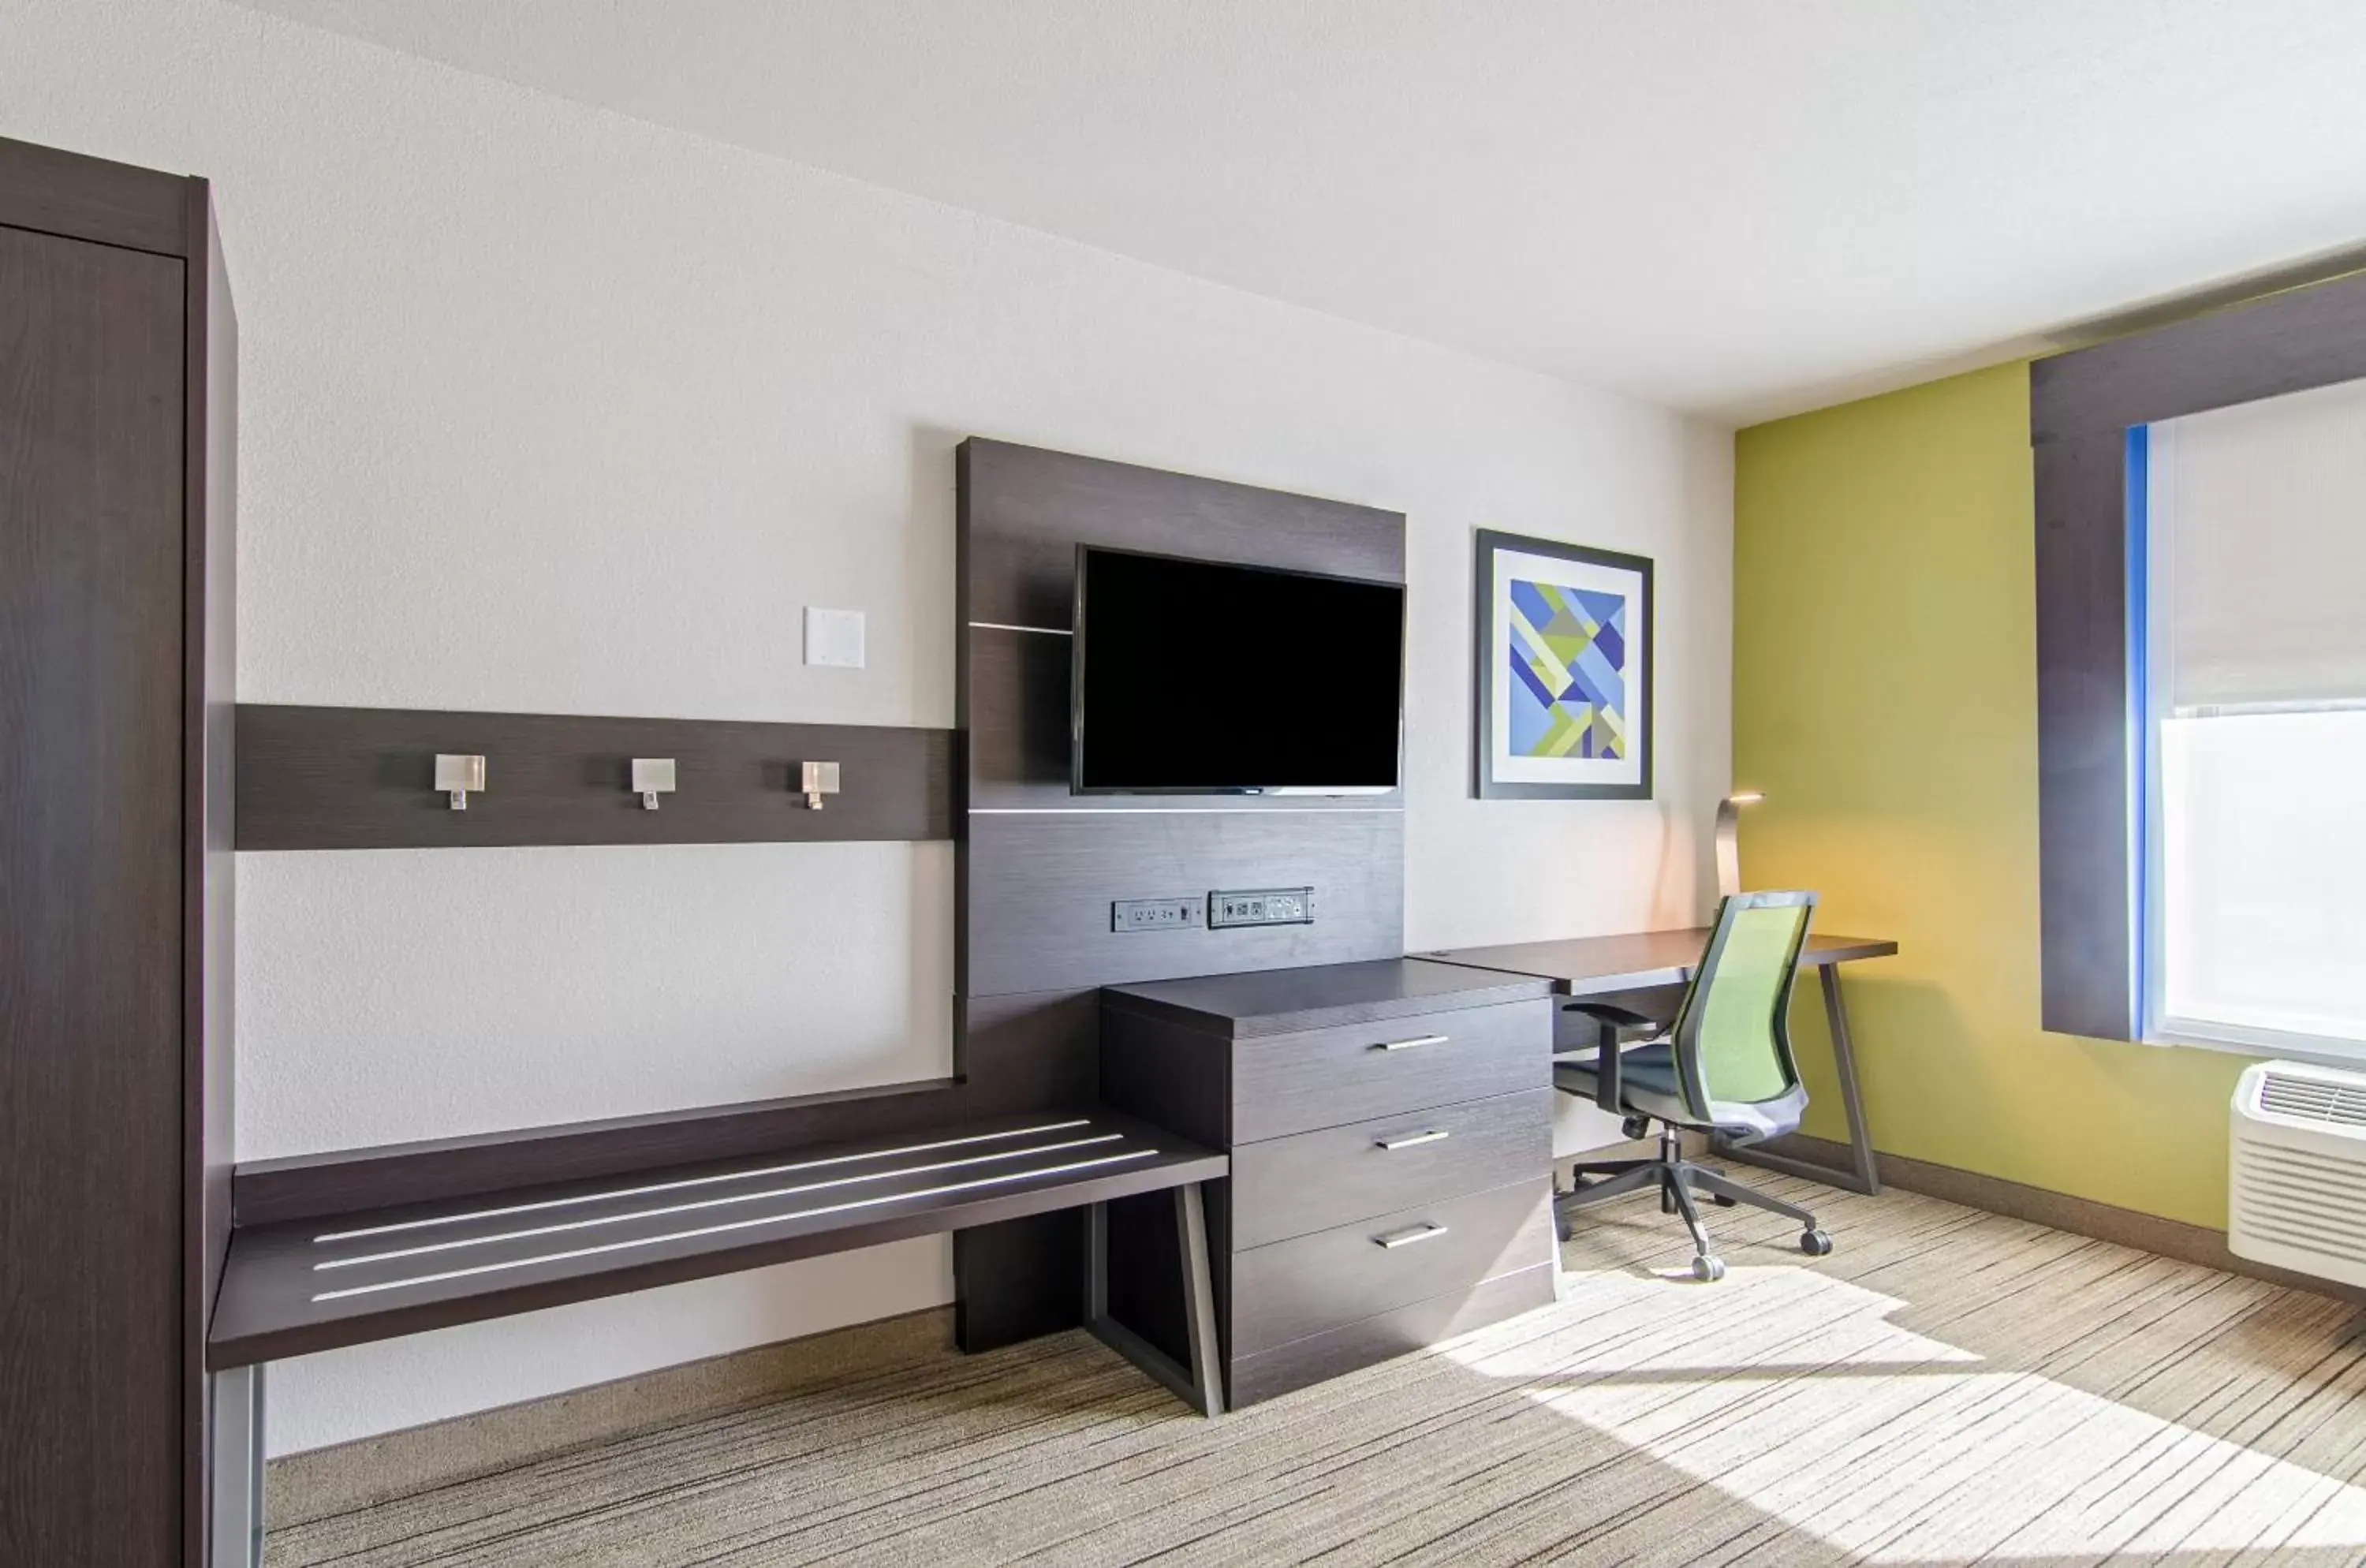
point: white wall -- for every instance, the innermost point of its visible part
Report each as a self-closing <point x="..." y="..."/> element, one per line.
<point x="547" y="409"/>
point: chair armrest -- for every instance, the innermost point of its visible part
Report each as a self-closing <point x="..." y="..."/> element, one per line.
<point x="1631" y="1025"/>
<point x="1614" y="1026"/>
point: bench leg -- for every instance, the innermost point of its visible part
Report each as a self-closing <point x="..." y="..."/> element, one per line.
<point x="234" y="1449"/>
<point x="1200" y="1383"/>
<point x="1199" y="1300"/>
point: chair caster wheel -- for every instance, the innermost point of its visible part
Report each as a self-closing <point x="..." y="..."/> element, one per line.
<point x="1815" y="1244"/>
<point x="1720" y="1200"/>
<point x="1707" y="1270"/>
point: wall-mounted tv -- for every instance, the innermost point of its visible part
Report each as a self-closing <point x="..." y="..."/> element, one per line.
<point x="1197" y="677"/>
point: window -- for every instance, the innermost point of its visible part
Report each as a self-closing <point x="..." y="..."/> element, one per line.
<point x="2247" y="534"/>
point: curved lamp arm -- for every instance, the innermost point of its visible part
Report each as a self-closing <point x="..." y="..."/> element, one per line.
<point x="1729" y="840"/>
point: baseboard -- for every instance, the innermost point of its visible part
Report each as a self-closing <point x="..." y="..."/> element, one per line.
<point x="2081" y="1216"/>
<point x="324" y="1482"/>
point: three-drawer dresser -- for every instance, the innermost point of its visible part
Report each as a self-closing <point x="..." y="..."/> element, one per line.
<point x="1391" y="1130"/>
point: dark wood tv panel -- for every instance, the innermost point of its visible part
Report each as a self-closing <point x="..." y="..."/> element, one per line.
<point x="1389" y="1128"/>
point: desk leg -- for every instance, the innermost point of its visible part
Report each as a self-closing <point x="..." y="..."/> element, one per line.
<point x="1864" y="1174"/>
<point x="234" y="1457"/>
<point x="1201" y="1381"/>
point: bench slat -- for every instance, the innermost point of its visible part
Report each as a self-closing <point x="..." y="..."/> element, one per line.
<point x="301" y="1286"/>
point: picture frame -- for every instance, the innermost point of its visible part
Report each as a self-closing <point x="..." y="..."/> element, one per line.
<point x="1562" y="678"/>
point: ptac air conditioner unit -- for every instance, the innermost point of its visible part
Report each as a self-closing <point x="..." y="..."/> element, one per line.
<point x="2296" y="1184"/>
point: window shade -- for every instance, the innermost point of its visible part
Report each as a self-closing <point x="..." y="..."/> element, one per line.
<point x="2256" y="531"/>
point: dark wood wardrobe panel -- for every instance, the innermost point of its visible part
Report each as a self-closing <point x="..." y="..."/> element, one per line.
<point x="208" y="828"/>
<point x="56" y="192"/>
<point x="92" y="466"/>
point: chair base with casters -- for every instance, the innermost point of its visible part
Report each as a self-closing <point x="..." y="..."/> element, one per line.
<point x="1723" y="1066"/>
<point x="1680" y="1183"/>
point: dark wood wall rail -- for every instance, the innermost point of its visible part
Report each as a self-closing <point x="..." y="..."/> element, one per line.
<point x="327" y="778"/>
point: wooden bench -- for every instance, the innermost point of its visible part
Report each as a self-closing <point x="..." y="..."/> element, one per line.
<point x="295" y="1286"/>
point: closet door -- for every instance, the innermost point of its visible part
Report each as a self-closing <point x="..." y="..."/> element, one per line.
<point x="92" y="412"/>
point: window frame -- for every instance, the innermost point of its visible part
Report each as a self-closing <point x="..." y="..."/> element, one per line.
<point x="2093" y="729"/>
<point x="2150" y="609"/>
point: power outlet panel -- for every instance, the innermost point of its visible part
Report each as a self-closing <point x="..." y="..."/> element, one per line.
<point x="1261" y="906"/>
<point x="1155" y="915"/>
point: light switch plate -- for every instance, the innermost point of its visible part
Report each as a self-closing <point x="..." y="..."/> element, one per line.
<point x="834" y="637"/>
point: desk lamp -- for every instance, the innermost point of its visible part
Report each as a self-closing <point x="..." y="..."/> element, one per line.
<point x="1728" y="844"/>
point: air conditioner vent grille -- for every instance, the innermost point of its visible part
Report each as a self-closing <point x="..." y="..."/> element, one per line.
<point x="2312" y="1100"/>
<point x="2296" y="1175"/>
<point x="2300" y="1204"/>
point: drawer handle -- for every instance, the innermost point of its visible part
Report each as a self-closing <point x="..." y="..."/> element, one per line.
<point x="1407" y="1237"/>
<point x="1414" y="1140"/>
<point x="1409" y="1044"/>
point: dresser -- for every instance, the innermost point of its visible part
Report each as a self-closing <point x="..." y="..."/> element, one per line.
<point x="1389" y="1125"/>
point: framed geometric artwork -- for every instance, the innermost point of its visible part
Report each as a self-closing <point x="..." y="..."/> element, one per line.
<point x="1563" y="693"/>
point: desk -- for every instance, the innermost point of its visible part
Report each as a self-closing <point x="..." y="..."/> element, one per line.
<point x="1604" y="965"/>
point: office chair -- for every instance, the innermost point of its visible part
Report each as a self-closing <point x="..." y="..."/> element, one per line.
<point x="1724" y="1066"/>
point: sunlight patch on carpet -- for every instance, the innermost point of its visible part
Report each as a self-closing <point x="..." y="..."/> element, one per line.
<point x="1793" y="1392"/>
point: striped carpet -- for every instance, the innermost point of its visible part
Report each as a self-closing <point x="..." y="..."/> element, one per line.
<point x="1947" y="1387"/>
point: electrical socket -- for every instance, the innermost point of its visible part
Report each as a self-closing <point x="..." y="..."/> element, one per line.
<point x="1155" y="915"/>
<point x="1261" y="906"/>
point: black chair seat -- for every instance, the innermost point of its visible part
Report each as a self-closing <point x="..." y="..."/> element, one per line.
<point x="1647" y="1081"/>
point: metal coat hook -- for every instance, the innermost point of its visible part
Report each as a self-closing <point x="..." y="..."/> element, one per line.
<point x="458" y="776"/>
<point x="818" y="779"/>
<point x="652" y="776"/>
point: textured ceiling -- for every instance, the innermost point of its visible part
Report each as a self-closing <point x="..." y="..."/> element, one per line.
<point x="1736" y="206"/>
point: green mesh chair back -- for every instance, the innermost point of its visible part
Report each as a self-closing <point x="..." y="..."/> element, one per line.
<point x="1732" y="1035"/>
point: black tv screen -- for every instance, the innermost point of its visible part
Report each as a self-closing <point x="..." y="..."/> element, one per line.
<point x="1197" y="677"/>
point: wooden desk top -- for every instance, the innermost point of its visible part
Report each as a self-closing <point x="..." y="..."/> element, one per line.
<point x="1595" y="965"/>
<point x="1282" y="1001"/>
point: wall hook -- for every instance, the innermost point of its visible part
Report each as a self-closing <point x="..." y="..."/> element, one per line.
<point x="818" y="779"/>
<point x="652" y="776"/>
<point x="458" y="775"/>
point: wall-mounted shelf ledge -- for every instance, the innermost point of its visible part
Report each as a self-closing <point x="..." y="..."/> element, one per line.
<point x="323" y="778"/>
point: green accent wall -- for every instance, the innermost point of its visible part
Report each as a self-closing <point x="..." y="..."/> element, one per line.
<point x="1885" y="698"/>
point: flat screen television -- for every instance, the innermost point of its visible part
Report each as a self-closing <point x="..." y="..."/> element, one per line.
<point x="1196" y="677"/>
